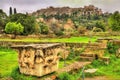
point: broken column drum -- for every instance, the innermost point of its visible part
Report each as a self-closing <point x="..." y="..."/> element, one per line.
<point x="38" y="59"/>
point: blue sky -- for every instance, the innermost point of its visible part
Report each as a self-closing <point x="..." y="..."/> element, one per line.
<point x="33" y="5"/>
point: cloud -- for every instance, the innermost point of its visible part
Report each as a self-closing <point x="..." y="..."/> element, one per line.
<point x="33" y="5"/>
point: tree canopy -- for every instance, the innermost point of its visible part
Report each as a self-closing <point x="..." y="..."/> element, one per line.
<point x="3" y="19"/>
<point x="14" y="28"/>
<point x="27" y="21"/>
<point x="43" y="28"/>
<point x="114" y="21"/>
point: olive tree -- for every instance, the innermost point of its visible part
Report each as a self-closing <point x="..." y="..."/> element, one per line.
<point x="14" y="28"/>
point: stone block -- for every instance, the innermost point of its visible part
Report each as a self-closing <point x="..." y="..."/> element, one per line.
<point x="38" y="59"/>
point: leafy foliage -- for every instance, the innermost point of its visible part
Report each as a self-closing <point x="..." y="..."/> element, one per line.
<point x="43" y="28"/>
<point x="58" y="30"/>
<point x="14" y="28"/>
<point x="100" y="25"/>
<point x="114" y="21"/>
<point x="3" y="19"/>
<point x="111" y="48"/>
<point x="27" y="21"/>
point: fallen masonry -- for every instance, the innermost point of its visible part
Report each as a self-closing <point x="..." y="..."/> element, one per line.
<point x="73" y="66"/>
<point x="38" y="59"/>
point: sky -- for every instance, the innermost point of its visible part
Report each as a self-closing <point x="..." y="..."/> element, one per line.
<point x="33" y="5"/>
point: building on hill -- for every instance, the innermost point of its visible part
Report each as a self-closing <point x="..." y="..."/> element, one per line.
<point x="91" y="9"/>
<point x="86" y="10"/>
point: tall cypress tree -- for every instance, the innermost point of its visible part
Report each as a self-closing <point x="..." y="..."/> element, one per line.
<point x="10" y="11"/>
<point x="15" y="11"/>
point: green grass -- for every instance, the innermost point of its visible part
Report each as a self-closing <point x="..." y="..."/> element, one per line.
<point x="111" y="70"/>
<point x="81" y="39"/>
<point x="68" y="62"/>
<point x="72" y="39"/>
<point x="17" y="76"/>
<point x="8" y="60"/>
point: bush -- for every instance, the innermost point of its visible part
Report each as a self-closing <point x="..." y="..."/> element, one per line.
<point x="15" y="74"/>
<point x="100" y="25"/>
<point x="43" y="28"/>
<point x="3" y="19"/>
<point x="81" y="30"/>
<point x="98" y="63"/>
<point x="59" y="33"/>
<point x="75" y="54"/>
<point x="111" y="47"/>
<point x="57" y="29"/>
<point x="114" y="21"/>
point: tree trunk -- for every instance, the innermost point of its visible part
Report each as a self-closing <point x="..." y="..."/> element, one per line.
<point x="14" y="36"/>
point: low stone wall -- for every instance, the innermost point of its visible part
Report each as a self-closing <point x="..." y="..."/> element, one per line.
<point x="116" y="42"/>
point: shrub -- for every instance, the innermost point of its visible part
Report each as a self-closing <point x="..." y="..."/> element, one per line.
<point x="81" y="30"/>
<point x="98" y="63"/>
<point x="57" y="29"/>
<point x="114" y="21"/>
<point x="59" y="33"/>
<point x="111" y="47"/>
<point x="43" y="28"/>
<point x="3" y="19"/>
<point x="100" y="25"/>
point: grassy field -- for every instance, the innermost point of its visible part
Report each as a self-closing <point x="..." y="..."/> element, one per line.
<point x="81" y="39"/>
<point x="8" y="58"/>
<point x="8" y="61"/>
<point x="72" y="39"/>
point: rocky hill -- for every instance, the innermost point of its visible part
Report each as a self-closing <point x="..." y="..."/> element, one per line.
<point x="86" y="10"/>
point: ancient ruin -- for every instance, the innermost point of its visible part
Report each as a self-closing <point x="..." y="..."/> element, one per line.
<point x="95" y="50"/>
<point x="38" y="59"/>
<point x="86" y="10"/>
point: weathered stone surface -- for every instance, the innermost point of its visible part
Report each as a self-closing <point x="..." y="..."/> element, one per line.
<point x="73" y="66"/>
<point x="38" y="59"/>
<point x="106" y="59"/>
<point x="90" y="70"/>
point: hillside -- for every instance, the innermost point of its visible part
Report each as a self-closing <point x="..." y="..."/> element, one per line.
<point x="86" y="10"/>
